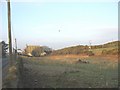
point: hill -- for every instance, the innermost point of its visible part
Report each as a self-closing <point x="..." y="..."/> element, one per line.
<point x="110" y="48"/>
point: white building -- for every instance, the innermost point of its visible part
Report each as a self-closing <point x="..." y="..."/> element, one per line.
<point x="43" y="54"/>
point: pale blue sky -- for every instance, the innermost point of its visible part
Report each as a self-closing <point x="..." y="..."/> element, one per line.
<point x="39" y="23"/>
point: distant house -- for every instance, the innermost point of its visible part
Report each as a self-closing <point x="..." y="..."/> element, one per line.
<point x="37" y="50"/>
<point x="43" y="54"/>
<point x="89" y="47"/>
<point x="20" y="52"/>
<point x="30" y="48"/>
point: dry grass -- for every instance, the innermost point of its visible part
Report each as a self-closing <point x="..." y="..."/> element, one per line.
<point x="74" y="58"/>
<point x="62" y="72"/>
<point x="10" y="80"/>
<point x="68" y="56"/>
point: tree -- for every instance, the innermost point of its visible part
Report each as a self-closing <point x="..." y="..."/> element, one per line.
<point x="37" y="51"/>
<point x="47" y="49"/>
<point x="4" y="48"/>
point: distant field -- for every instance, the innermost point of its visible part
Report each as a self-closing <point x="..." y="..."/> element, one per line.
<point x="65" y="72"/>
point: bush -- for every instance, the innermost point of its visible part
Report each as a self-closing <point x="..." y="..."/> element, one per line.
<point x="110" y="52"/>
<point x="90" y="53"/>
<point x="104" y="52"/>
<point x="37" y="52"/>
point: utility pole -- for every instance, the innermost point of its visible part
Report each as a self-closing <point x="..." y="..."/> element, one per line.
<point x="15" y="44"/>
<point x="90" y="45"/>
<point x="9" y="33"/>
<point x="15" y="49"/>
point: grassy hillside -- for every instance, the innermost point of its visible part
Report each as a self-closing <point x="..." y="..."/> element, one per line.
<point x="110" y="48"/>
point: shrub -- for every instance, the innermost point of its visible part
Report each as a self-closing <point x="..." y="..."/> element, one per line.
<point x="110" y="52"/>
<point x="104" y="52"/>
<point x="37" y="52"/>
<point x="90" y="53"/>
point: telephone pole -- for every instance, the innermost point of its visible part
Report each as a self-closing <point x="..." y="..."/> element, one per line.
<point x="9" y="33"/>
<point x="90" y="45"/>
<point x="15" y="43"/>
<point x="15" y="49"/>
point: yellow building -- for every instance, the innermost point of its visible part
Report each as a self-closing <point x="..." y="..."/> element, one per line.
<point x="30" y="48"/>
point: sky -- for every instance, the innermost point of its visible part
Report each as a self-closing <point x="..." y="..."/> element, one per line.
<point x="60" y="24"/>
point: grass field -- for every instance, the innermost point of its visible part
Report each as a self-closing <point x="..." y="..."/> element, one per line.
<point x="65" y="72"/>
